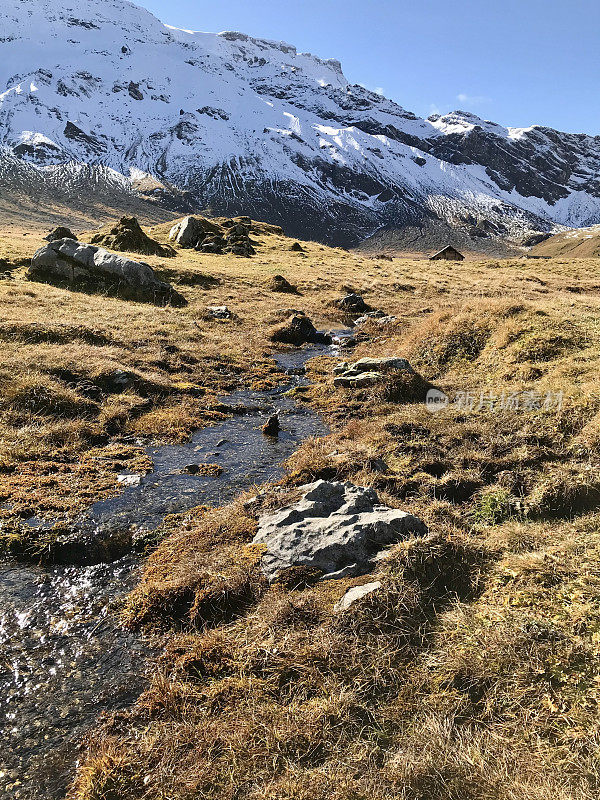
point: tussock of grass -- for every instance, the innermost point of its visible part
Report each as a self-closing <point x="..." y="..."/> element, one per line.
<point x="202" y="573"/>
<point x="291" y="688"/>
<point x="36" y="394"/>
<point x="445" y="339"/>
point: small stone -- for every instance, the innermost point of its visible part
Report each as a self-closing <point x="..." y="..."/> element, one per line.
<point x="272" y="426"/>
<point x="356" y="593"/>
<point x="218" y="312"/>
<point x="127" y="479"/>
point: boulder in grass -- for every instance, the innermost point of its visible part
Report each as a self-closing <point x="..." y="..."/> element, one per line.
<point x="367" y="371"/>
<point x="298" y="329"/>
<point x="218" y="312"/>
<point x="238" y="240"/>
<point x="190" y="232"/>
<point x="353" y="304"/>
<point x="336" y="529"/>
<point x="377" y="317"/>
<point x="127" y="236"/>
<point x="90" y="268"/>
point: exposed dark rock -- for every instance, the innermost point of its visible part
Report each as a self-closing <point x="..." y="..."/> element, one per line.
<point x="212" y="244"/>
<point x="535" y="238"/>
<point x="353" y="304"/>
<point x="238" y="240"/>
<point x="59" y="233"/>
<point x="134" y="91"/>
<point x="74" y="22"/>
<point x="297" y="248"/>
<point x="272" y="427"/>
<point x="297" y="330"/>
<point x="92" y="143"/>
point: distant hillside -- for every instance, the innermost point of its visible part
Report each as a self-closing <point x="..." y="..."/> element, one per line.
<point x="579" y="242"/>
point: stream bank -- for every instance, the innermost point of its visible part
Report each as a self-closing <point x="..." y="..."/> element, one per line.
<point x="64" y="657"/>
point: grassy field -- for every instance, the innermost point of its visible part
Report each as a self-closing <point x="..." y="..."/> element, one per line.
<point x="473" y="673"/>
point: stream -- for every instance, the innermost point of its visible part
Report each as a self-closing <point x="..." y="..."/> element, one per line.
<point x="64" y="657"/>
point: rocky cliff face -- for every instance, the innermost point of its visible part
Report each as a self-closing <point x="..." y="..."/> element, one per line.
<point x="99" y="92"/>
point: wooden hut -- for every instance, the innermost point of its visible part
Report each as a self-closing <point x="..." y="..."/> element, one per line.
<point x="448" y="253"/>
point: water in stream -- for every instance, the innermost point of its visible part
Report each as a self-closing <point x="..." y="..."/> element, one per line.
<point x="64" y="658"/>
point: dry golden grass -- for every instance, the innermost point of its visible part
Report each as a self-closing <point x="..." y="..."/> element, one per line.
<point x="60" y="348"/>
<point x="473" y="674"/>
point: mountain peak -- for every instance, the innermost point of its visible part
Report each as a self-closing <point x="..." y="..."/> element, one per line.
<point x="248" y="125"/>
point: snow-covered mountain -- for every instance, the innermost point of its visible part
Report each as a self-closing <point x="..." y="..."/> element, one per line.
<point x="100" y="92"/>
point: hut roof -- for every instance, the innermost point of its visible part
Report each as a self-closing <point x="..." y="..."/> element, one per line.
<point x="448" y="251"/>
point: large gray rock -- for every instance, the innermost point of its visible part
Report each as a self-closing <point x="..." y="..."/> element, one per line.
<point x="367" y="371"/>
<point x="337" y="528"/>
<point x="358" y="380"/>
<point x="187" y="233"/>
<point x="86" y="266"/>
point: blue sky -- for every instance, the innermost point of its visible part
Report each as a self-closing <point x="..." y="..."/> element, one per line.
<point x="517" y="62"/>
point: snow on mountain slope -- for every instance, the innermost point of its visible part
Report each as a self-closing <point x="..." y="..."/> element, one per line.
<point x="245" y="125"/>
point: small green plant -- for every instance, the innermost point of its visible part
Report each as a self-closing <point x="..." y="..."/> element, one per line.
<point x="493" y="507"/>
